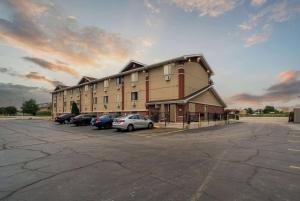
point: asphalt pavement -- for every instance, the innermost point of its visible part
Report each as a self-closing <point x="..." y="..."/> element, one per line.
<point x="41" y="160"/>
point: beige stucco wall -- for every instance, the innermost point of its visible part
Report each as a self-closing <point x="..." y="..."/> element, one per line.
<point x="140" y="88"/>
<point x="207" y="98"/>
<point x="159" y="88"/>
<point x="195" y="77"/>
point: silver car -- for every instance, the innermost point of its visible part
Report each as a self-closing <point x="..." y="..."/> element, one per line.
<point x="132" y="122"/>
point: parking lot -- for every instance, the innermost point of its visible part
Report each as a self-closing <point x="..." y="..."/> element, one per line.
<point x="252" y="160"/>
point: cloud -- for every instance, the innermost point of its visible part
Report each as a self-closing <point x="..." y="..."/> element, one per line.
<point x="285" y="91"/>
<point x="259" y="37"/>
<point x="56" y="67"/>
<point x="39" y="27"/>
<point x="277" y="12"/>
<point x="41" y="78"/>
<point x="245" y="26"/>
<point x="15" y="94"/>
<point x="258" y="2"/>
<point x="207" y="7"/>
<point x="35" y="76"/>
<point x="288" y="76"/>
<point x="153" y="9"/>
<point x="147" y="42"/>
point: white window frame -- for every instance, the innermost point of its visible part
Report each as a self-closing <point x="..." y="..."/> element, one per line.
<point x="105" y="100"/>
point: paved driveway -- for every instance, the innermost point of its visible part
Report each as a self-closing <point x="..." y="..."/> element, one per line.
<point x="40" y="160"/>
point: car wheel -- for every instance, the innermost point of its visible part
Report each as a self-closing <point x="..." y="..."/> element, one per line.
<point x="130" y="128"/>
<point x="119" y="130"/>
<point x="150" y="125"/>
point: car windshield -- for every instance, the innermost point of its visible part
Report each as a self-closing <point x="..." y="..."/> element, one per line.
<point x="105" y="117"/>
<point x="79" y="116"/>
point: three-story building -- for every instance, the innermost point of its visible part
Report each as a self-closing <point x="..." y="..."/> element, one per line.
<point x="172" y="87"/>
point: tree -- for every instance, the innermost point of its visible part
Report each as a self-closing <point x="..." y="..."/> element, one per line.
<point x="2" y="110"/>
<point x="269" y="109"/>
<point x="249" y="110"/>
<point x="30" y="107"/>
<point x="75" y="109"/>
<point x="10" y="110"/>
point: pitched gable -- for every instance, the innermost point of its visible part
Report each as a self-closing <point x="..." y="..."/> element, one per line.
<point x="86" y="79"/>
<point x="132" y="65"/>
<point x="59" y="87"/>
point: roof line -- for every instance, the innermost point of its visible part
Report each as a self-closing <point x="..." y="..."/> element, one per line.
<point x="184" y="57"/>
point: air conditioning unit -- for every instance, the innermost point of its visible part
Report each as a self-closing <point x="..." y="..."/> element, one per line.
<point x="167" y="77"/>
<point x="118" y="105"/>
<point x="118" y="87"/>
<point x="133" y="84"/>
<point x="133" y="103"/>
<point x="105" y="89"/>
<point x="105" y="106"/>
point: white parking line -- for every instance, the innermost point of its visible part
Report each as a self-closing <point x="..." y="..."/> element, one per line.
<point x="294" y="167"/>
<point x="294" y="149"/>
<point x="294" y="141"/>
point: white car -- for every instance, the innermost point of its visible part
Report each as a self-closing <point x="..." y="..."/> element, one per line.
<point x="132" y="122"/>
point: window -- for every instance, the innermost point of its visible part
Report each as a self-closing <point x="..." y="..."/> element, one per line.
<point x="118" y="81"/>
<point x="65" y="93"/>
<point x="71" y="103"/>
<point x="167" y="69"/>
<point x="118" y="98"/>
<point x="94" y="87"/>
<point x="86" y="87"/>
<point x="95" y="100"/>
<point x="106" y="83"/>
<point x="78" y="103"/>
<point x="71" y="92"/>
<point x="105" y="99"/>
<point x="54" y="105"/>
<point x="134" y="96"/>
<point x="65" y="104"/>
<point x="134" y="77"/>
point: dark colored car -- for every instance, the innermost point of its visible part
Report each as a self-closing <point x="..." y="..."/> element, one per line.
<point x="104" y="121"/>
<point x="82" y="119"/>
<point x="64" y="118"/>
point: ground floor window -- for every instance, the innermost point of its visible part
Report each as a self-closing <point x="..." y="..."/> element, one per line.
<point x="95" y="100"/>
<point x="134" y="96"/>
<point x="105" y="99"/>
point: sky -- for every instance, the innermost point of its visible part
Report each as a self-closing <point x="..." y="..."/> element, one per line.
<point x="252" y="45"/>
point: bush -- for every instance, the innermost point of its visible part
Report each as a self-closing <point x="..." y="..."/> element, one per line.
<point x="43" y="113"/>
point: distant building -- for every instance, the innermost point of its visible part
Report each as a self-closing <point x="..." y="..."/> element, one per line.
<point x="44" y="107"/>
<point x="174" y="86"/>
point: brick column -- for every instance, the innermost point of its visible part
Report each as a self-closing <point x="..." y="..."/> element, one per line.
<point x="92" y="91"/>
<point x="181" y="82"/>
<point x="147" y="86"/>
<point x="123" y="93"/>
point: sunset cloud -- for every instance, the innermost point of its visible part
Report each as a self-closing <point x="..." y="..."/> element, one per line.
<point x="287" y="90"/>
<point x="56" y="67"/>
<point x="59" y="36"/>
<point x="41" y="78"/>
<point x="207" y="7"/>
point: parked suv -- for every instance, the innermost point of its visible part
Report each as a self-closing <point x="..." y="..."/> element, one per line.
<point x="64" y="118"/>
<point x="82" y="119"/>
<point x="132" y="122"/>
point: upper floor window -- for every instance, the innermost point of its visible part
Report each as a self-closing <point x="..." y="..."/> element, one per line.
<point x="118" y="81"/>
<point x="106" y="83"/>
<point x="167" y="72"/>
<point x="71" y="91"/>
<point x="134" y="77"/>
<point x="65" y="93"/>
<point x="86" y="87"/>
<point x="94" y="87"/>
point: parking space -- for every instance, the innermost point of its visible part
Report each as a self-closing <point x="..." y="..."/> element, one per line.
<point x="41" y="160"/>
